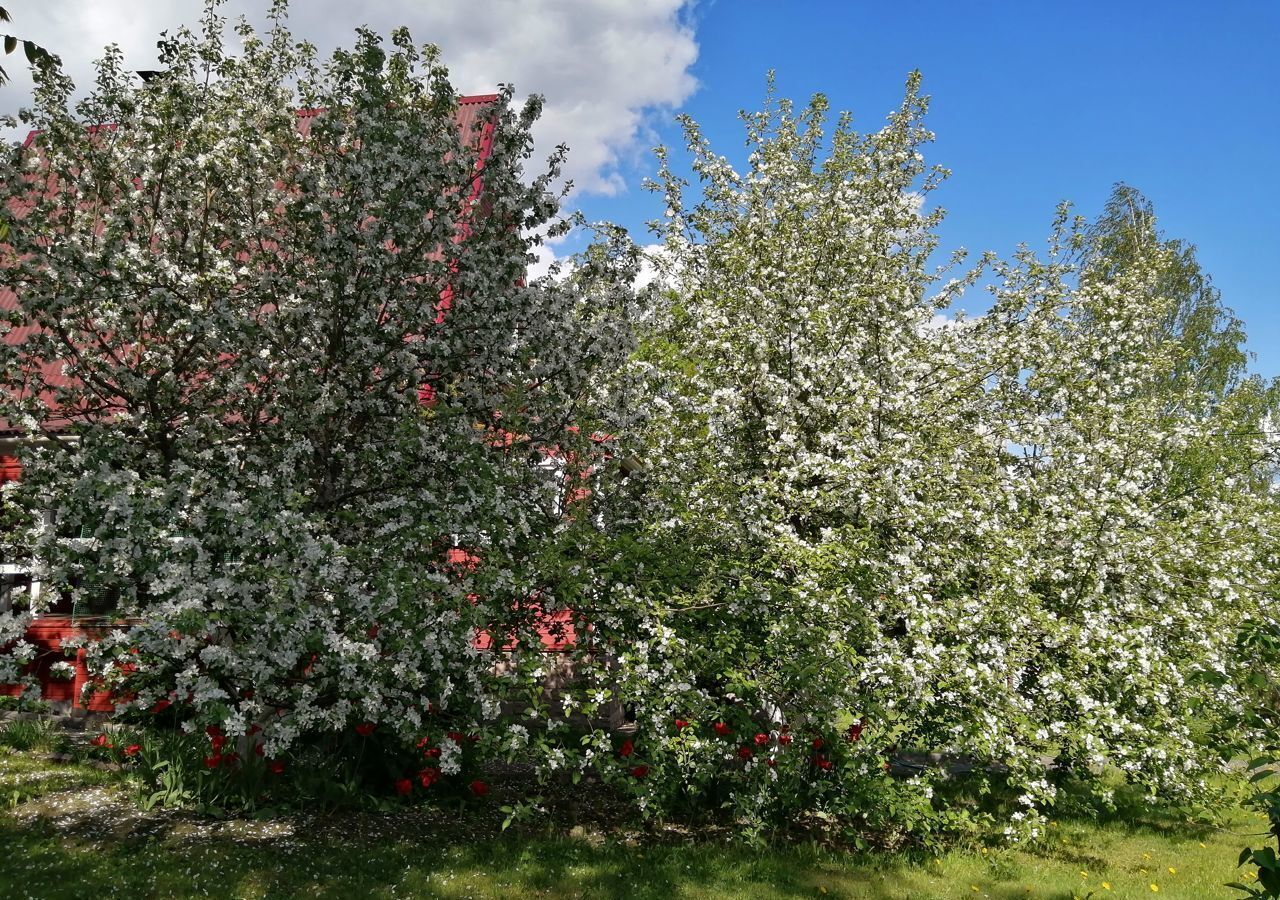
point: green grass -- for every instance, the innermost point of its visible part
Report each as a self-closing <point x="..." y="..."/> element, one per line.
<point x="73" y="833"/>
<point x="31" y="734"/>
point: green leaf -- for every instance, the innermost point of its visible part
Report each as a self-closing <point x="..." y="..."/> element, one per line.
<point x="10" y="43"/>
<point x="34" y="52"/>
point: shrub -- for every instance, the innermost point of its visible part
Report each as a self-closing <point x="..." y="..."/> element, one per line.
<point x="300" y="447"/>
<point x="1014" y="537"/>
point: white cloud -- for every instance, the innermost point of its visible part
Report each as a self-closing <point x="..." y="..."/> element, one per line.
<point x="600" y="63"/>
<point x="655" y="265"/>
<point x="546" y="257"/>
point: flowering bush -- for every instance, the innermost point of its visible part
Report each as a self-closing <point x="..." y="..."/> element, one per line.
<point x="344" y="476"/>
<point x="62" y="670"/>
<point x="1018" y="537"/>
<point x="300" y="425"/>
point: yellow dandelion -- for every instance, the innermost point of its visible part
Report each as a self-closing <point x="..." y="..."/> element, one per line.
<point x="974" y="888"/>
<point x="984" y="851"/>
<point x="1106" y="885"/>
<point x="1155" y="888"/>
<point x="1204" y="846"/>
<point x="1146" y="856"/>
<point x="1084" y="874"/>
<point x="1173" y="871"/>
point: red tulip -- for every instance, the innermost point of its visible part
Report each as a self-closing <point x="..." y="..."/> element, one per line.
<point x="479" y="788"/>
<point x="722" y="729"/>
<point x="771" y="762"/>
<point x="784" y="740"/>
<point x="364" y="729"/>
<point x="101" y="741"/>
<point x="276" y="767"/>
<point x="639" y="771"/>
<point x="818" y="743"/>
<point x="258" y="749"/>
<point x="762" y="739"/>
<point x="132" y="749"/>
<point x="681" y="724"/>
<point x="431" y="753"/>
<point x="456" y="736"/>
<point x="626" y="749"/>
<point x="212" y="762"/>
<point x="428" y="777"/>
<point x="854" y="734"/>
<point x="404" y="786"/>
<point x="161" y="705"/>
<point x="744" y="753"/>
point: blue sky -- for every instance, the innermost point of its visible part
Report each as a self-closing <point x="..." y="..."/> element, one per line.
<point x="1033" y="103"/>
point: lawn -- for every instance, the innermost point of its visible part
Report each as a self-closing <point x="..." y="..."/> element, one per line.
<point x="70" y="830"/>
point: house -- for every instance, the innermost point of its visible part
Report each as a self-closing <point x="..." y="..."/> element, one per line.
<point x="64" y="621"/>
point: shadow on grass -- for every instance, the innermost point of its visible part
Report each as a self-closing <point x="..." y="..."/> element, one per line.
<point x="1131" y="810"/>
<point x="87" y="842"/>
<point x="45" y="860"/>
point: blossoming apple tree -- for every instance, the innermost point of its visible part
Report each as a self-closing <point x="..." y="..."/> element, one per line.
<point x="1017" y="537"/>
<point x="289" y="402"/>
